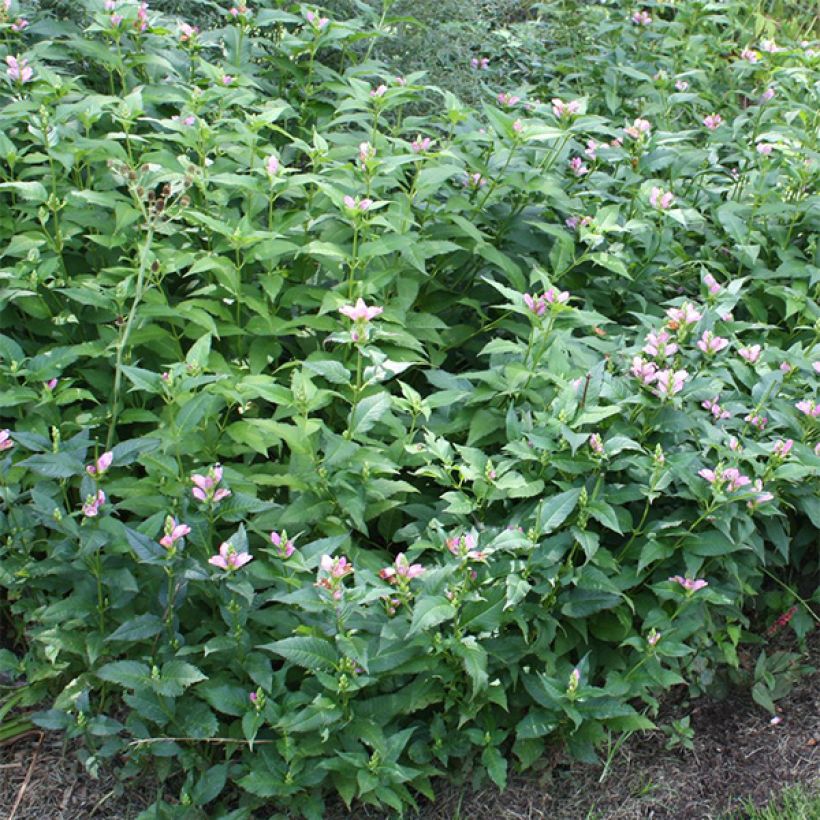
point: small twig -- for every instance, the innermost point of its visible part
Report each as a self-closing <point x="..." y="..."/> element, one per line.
<point x="10" y="765"/>
<point x="27" y="778"/>
<point x="100" y="802"/>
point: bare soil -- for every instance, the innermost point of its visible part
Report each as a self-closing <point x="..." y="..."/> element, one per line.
<point x="738" y="756"/>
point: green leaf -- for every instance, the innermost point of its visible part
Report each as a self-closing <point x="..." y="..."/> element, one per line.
<point x="367" y="412"/>
<point x="581" y="603"/>
<point x="430" y="611"/>
<point x="128" y="674"/>
<point x="496" y="765"/>
<point x="553" y="512"/>
<point x="137" y="629"/>
<point x="311" y="653"/>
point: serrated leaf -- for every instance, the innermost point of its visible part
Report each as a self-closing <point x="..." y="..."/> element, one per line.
<point x="311" y="653"/>
<point x="430" y="611"/>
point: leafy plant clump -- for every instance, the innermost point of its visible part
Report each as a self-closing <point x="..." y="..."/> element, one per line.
<point x="345" y="447"/>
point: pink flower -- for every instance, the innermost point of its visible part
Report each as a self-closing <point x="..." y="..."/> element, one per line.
<point x="751" y="354"/>
<point x="284" y="544"/>
<point x="556" y="297"/>
<point x="227" y="79"/>
<point x="400" y="81"/>
<point x="420" y="144"/>
<point x="686" y="314"/>
<point x="205" y="486"/>
<point x="764" y="148"/>
<point x="536" y="304"/>
<point x="638" y="128"/>
<point x="93" y="503"/>
<point x="366" y="152"/>
<point x="711" y="344"/>
<point x="770" y="47"/>
<point x="379" y="91"/>
<point x="109" y="5"/>
<point x="50" y="384"/>
<point x="735" y="478"/>
<point x="761" y="497"/>
<point x="316" y="21"/>
<point x="228" y="558"/>
<point x="681" y="85"/>
<point x="508" y="100"/>
<point x="464" y="546"/>
<point x="518" y="126"/>
<point x="18" y="70"/>
<point x="757" y="421"/>
<point x="142" y="17"/>
<point x="783" y="448"/>
<point x="480" y="63"/>
<point x="785" y="367"/>
<point x="401" y="569"/>
<point x="690" y="585"/>
<point x="712" y="121"/>
<point x="360" y="312"/>
<point x="116" y="19"/>
<point x="563" y="110"/>
<point x="173" y="532"/>
<point x="816" y="366"/>
<point x="642" y="18"/>
<point x="808" y="408"/>
<point x="272" y="165"/>
<point x="659" y="345"/>
<point x="5" y="440"/>
<point x="335" y="570"/>
<point x="101" y="465"/>
<point x="750" y="55"/>
<point x="645" y="372"/>
<point x="660" y="199"/>
<point x="734" y="445"/>
<point x="577" y="166"/>
<point x="592" y="149"/>
<point x="670" y="382"/>
<point x="596" y="444"/>
<point x="18" y="25"/>
<point x="574" y="681"/>
<point x="475" y="181"/>
<point x="711" y="283"/>
<point x="717" y="411"/>
<point x="357" y="204"/>
<point x="767" y="95"/>
<point x="187" y="32"/>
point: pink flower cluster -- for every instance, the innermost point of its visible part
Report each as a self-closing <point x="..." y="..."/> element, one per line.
<point x="683" y="316"/>
<point x="756" y="420"/>
<point x="577" y="167"/>
<point x="551" y="297"/>
<point x="709" y="344"/>
<point x="173" y="532"/>
<point x="360" y="312"/>
<point x="761" y="497"/>
<point x="660" y="199"/>
<point x="750" y="55"/>
<point x="596" y="444"/>
<point x="642" y="18"/>
<point x="6" y="442"/>
<point x="711" y="283"/>
<point x="508" y="100"/>
<point x="681" y="85"/>
<point x="283" y="544"/>
<point x="332" y="572"/>
<point x="187" y="32"/>
<point x="575" y="222"/>
<point x="480" y="63"/>
<point x="402" y="569"/>
<point x="357" y="204"/>
<point x="712" y="121"/>
<point x="782" y="448"/>
<point x="808" y="408"/>
<point x="717" y="411"/>
<point x="206" y="487"/>
<point x="18" y="70"/>
<point x="379" y="91"/>
<point x="421" y="144"/>
<point x="659" y="345"/>
<point x="92" y="505"/>
<point x="638" y="128"/>
<point x="691" y="585"/>
<point x="733" y="478"/>
<point x="101" y="465"/>
<point x="751" y="354"/>
<point x="228" y="558"/>
<point x="464" y="546"/>
<point x="563" y="110"/>
<point x="316" y="21"/>
<point x="669" y="382"/>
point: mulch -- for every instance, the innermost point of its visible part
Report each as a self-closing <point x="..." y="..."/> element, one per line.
<point x="738" y="757"/>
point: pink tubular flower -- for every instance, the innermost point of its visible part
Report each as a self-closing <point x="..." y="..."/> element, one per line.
<point x="761" y="497"/>
<point x="767" y="95"/>
<point x="142" y="17"/>
<point x="5" y="440"/>
<point x="357" y="204"/>
<point x="109" y="5"/>
<point x="596" y="444"/>
<point x="19" y="24"/>
<point x="750" y="55"/>
<point x="317" y="22"/>
<point x="669" y="382"/>
<point x="659" y="345"/>
<point x="757" y="421"/>
<point x="187" y="32"/>
<point x="711" y="283"/>
<point x="421" y="144"/>
<point x="645" y="372"/>
<point x="642" y="18"/>
<point x="93" y="503"/>
<point x="770" y="47"/>
<point x="227" y="79"/>
<point x="464" y="546"/>
<point x="536" y="304"/>
<point x="508" y="100"/>
<point x="712" y="121"/>
<point x="808" y="408"/>
<point x="402" y="569"/>
<point x="101" y="465"/>
<point x="736" y="480"/>
<point x="660" y="199"/>
<point x="816" y="366"/>
<point x="272" y="165"/>
<point x="400" y="81"/>
<point x="592" y="149"/>
<point x="717" y="411"/>
<point x="475" y="181"/>
<point x="50" y="384"/>
<point x="228" y="558"/>
<point x="734" y="445"/>
<point x="336" y="567"/>
<point x="681" y="85"/>
<point x="173" y="532"/>
<point x="360" y="312"/>
<point x="689" y="584"/>
<point x="751" y="354"/>
<point x="783" y="448"/>
<point x="638" y="128"/>
<point x="653" y="637"/>
<point x="379" y="91"/>
<point x="282" y="543"/>
<point x="710" y="344"/>
<point x="563" y="110"/>
<point x="480" y="63"/>
<point x="764" y="148"/>
<point x="116" y="19"/>
<point x="577" y="167"/>
<point x="205" y="486"/>
<point x="18" y="70"/>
